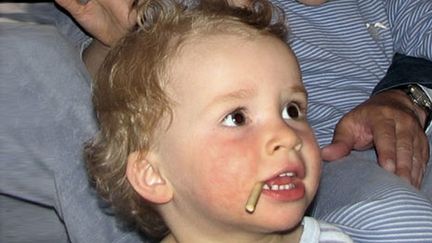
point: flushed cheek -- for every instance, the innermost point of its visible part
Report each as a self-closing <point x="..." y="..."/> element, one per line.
<point x="231" y="167"/>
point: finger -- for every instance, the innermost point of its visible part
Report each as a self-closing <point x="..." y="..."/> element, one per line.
<point x="384" y="135"/>
<point x="416" y="172"/>
<point x="404" y="154"/>
<point x="427" y="158"/>
<point x="343" y="142"/>
<point x="72" y="6"/>
<point x="420" y="157"/>
<point x="335" y="150"/>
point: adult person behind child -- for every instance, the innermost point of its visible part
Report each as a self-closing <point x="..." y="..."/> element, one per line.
<point x="76" y="207"/>
<point x="341" y="65"/>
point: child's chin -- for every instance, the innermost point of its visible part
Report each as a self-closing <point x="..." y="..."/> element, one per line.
<point x="282" y="224"/>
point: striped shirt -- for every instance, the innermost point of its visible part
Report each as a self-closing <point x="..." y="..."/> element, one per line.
<point x="345" y="47"/>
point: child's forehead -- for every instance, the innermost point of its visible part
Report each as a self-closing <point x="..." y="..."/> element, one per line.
<point x="217" y="51"/>
<point x="222" y="48"/>
<point x="203" y="44"/>
<point x="233" y="62"/>
<point x="218" y="36"/>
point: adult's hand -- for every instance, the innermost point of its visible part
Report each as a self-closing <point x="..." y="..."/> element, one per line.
<point x="391" y="123"/>
<point x="105" y="20"/>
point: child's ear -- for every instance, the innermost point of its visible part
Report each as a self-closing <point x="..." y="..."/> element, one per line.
<point x="146" y="179"/>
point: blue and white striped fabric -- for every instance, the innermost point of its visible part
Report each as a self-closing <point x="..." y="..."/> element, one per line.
<point x="342" y="60"/>
<point x="345" y="47"/>
<point x="389" y="219"/>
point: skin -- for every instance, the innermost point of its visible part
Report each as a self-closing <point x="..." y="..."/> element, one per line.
<point x="312" y="2"/>
<point x="106" y="20"/>
<point x="394" y="132"/>
<point x="211" y="159"/>
<point x="392" y="124"/>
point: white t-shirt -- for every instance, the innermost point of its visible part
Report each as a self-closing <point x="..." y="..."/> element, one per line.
<point x="320" y="231"/>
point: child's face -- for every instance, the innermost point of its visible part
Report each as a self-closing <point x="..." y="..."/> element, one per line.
<point x="238" y="118"/>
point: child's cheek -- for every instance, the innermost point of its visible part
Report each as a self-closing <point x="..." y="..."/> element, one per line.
<point x="231" y="167"/>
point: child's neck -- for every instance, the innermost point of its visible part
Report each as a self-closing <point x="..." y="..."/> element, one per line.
<point x="291" y="237"/>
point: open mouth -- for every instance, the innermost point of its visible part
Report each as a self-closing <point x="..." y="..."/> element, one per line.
<point x="287" y="186"/>
<point x="284" y="181"/>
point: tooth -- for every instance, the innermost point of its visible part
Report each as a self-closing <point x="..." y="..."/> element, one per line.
<point x="286" y="187"/>
<point x="279" y="187"/>
<point x="288" y="174"/>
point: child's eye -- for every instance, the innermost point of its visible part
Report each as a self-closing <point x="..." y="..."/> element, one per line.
<point x="291" y="111"/>
<point x="234" y="119"/>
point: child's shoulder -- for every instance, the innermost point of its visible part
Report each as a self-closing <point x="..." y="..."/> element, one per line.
<point x="320" y="231"/>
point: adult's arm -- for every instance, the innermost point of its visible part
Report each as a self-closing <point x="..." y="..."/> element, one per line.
<point x="406" y="70"/>
<point x="47" y="116"/>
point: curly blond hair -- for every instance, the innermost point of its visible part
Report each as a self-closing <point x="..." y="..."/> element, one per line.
<point x="129" y="97"/>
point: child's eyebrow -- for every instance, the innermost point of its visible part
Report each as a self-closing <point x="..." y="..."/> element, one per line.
<point x="245" y="93"/>
<point x="234" y="95"/>
<point x="299" y="90"/>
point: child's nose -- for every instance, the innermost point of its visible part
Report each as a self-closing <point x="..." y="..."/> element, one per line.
<point x="283" y="137"/>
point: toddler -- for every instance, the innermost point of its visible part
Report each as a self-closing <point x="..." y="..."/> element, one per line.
<point x="203" y="130"/>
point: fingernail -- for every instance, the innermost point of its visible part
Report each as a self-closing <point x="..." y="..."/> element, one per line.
<point x="390" y="165"/>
